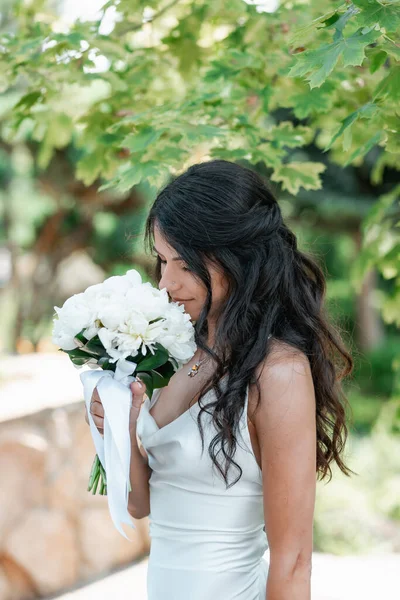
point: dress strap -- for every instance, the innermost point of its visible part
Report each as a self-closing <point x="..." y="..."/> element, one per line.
<point x="246" y="404"/>
<point x="154" y="397"/>
<point x="245" y="433"/>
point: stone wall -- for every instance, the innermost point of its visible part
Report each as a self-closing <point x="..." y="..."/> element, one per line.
<point x="53" y="533"/>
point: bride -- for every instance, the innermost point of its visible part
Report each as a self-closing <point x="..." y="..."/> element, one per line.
<point x="225" y="458"/>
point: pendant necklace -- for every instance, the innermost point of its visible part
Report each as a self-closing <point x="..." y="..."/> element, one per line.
<point x="195" y="368"/>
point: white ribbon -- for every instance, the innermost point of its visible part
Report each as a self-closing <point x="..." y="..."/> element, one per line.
<point x="114" y="448"/>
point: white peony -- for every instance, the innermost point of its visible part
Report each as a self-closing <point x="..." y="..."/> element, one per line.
<point x="128" y="316"/>
<point x="63" y="336"/>
<point x="76" y="314"/>
<point x="112" y="312"/>
<point x="93" y="291"/>
<point x="148" y="300"/>
<point x="128" y="319"/>
<point x="134" y="277"/>
<point x="178" y="334"/>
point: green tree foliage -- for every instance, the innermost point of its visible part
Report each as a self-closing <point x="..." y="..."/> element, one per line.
<point x="148" y="85"/>
<point x="139" y="100"/>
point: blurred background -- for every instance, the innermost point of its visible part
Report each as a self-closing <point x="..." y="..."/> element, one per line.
<point x="101" y="103"/>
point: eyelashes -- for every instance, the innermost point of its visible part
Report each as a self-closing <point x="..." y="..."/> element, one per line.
<point x="164" y="262"/>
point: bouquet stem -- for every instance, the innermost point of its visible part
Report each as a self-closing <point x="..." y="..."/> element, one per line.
<point x="98" y="478"/>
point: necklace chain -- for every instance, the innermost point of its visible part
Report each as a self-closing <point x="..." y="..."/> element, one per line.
<point x="195" y="368"/>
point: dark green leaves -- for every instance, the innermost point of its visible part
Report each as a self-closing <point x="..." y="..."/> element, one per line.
<point x="389" y="87"/>
<point x="365" y="112"/>
<point x="90" y="349"/>
<point x="139" y="142"/>
<point x="153" y="361"/>
<point x="79" y="357"/>
<point x="154" y="369"/>
<point x="151" y="106"/>
<point x="317" y="64"/>
<point x="385" y="14"/>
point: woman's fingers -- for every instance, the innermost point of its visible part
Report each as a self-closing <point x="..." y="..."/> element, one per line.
<point x="99" y="422"/>
<point x="96" y="408"/>
<point x="138" y="390"/>
<point x="97" y="411"/>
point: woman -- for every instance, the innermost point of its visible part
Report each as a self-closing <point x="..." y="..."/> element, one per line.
<point x="225" y="458"/>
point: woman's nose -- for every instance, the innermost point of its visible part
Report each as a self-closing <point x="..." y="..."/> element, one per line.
<point x="166" y="283"/>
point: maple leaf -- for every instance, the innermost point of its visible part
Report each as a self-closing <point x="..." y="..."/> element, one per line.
<point x="319" y="63"/>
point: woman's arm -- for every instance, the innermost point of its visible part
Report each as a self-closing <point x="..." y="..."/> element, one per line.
<point x="286" y="428"/>
<point x="139" y="473"/>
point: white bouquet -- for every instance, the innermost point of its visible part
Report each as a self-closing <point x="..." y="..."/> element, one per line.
<point x="117" y="328"/>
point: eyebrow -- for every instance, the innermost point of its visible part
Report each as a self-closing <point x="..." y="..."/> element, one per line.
<point x="174" y="258"/>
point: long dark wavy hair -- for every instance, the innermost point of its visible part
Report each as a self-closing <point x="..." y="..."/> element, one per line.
<point x="225" y="213"/>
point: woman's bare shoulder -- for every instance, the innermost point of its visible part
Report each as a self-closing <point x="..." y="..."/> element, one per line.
<point x="282" y="363"/>
<point x="283" y="355"/>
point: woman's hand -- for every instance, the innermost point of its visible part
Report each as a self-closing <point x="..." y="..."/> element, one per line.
<point x="138" y="390"/>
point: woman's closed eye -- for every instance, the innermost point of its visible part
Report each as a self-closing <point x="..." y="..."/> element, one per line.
<point x="164" y="262"/>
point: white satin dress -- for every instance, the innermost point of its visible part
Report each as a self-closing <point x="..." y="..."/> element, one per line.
<point x="207" y="542"/>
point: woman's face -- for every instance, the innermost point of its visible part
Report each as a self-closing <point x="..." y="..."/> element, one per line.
<point x="181" y="284"/>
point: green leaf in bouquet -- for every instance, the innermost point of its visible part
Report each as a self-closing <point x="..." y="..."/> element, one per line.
<point x="166" y="370"/>
<point x="174" y="363"/>
<point x="156" y="378"/>
<point x="105" y="363"/>
<point x="81" y="338"/>
<point x="95" y="346"/>
<point x="147" y="379"/>
<point x="155" y="360"/>
<point x="159" y="380"/>
<point x="78" y="353"/>
<point x="79" y="362"/>
<point x="79" y="357"/>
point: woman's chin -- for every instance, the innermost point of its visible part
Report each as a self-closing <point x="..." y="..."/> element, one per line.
<point x="190" y="310"/>
<point x="194" y="315"/>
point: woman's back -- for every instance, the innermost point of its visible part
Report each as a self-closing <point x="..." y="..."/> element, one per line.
<point x="206" y="540"/>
